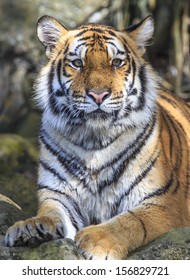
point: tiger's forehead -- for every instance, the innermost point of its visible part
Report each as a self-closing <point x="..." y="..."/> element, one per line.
<point x="95" y="38"/>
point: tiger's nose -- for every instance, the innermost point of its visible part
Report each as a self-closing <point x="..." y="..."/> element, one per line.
<point x="99" y="95"/>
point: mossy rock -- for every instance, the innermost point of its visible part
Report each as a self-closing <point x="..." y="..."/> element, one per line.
<point x="61" y="249"/>
<point x="16" y="154"/>
<point x="18" y="170"/>
<point x="174" y="245"/>
<point x="10" y="212"/>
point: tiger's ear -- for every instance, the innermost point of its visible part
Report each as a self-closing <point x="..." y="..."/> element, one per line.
<point x="49" y="31"/>
<point x="142" y="32"/>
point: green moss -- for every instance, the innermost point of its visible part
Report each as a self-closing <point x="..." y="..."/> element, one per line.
<point x="16" y="153"/>
<point x="18" y="171"/>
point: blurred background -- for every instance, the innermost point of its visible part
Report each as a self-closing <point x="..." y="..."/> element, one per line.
<point x="21" y="55"/>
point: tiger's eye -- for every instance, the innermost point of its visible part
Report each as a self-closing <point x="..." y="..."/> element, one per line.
<point x="117" y="62"/>
<point x="77" y="63"/>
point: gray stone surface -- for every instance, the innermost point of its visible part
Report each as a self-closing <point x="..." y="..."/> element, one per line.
<point x="62" y="249"/>
<point x="10" y="212"/>
<point x="174" y="245"/>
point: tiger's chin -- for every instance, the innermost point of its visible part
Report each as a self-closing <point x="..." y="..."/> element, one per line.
<point x="98" y="115"/>
<point x="102" y="115"/>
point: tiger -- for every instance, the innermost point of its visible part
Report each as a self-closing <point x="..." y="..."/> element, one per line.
<point x="114" y="164"/>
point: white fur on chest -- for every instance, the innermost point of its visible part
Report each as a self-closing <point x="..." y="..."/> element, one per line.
<point x="98" y="198"/>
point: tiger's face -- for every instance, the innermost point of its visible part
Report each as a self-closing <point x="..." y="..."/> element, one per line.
<point x="94" y="73"/>
<point x="97" y="68"/>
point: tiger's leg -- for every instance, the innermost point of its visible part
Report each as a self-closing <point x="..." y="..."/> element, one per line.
<point x="52" y="222"/>
<point x="126" y="232"/>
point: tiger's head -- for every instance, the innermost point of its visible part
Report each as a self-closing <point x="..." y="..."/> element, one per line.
<point x="96" y="75"/>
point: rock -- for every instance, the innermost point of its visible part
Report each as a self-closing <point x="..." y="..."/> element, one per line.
<point x="61" y="249"/>
<point x="10" y="212"/>
<point x="174" y="245"/>
<point x="18" y="170"/>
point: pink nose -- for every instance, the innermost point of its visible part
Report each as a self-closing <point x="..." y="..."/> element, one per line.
<point x="99" y="95"/>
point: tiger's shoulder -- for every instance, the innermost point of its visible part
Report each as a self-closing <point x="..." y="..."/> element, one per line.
<point x="174" y="120"/>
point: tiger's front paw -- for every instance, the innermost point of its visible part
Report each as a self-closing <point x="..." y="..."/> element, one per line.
<point x="33" y="232"/>
<point x="100" y="242"/>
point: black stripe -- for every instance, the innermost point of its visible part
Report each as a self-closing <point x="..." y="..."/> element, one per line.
<point x="74" y="166"/>
<point x="115" y="103"/>
<point x="151" y="205"/>
<point x="172" y="102"/>
<point x="120" y="52"/>
<point x="72" y="54"/>
<point x="139" y="178"/>
<point x="142" y="224"/>
<point x="135" y="26"/>
<point x="67" y="111"/>
<point x="53" y="171"/>
<point x="82" y="44"/>
<point x="111" y="33"/>
<point x="113" y="44"/>
<point x="71" y="217"/>
<point x="134" y="149"/>
<point x="126" y="48"/>
<point x="141" y="98"/>
<point x="131" y="146"/>
<point x="161" y="190"/>
<point x="173" y="124"/>
<point x="128" y="72"/>
<point x="181" y="153"/>
<point x="107" y="38"/>
<point x="71" y="163"/>
<point x="55" y="108"/>
<point x="133" y="64"/>
<point x="85" y="38"/>
<point x="133" y="92"/>
<point x="97" y="141"/>
<point x="50" y="77"/>
<point x="66" y="48"/>
<point x="96" y="29"/>
<point x="107" y="53"/>
<point x="59" y="67"/>
<point x="176" y="187"/>
<point x="170" y="134"/>
<point x="58" y="93"/>
<point x="81" y="33"/>
<point x="52" y="99"/>
<point x="65" y="73"/>
<point x="69" y="199"/>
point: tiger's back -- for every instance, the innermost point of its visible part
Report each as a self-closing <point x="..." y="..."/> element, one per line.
<point x="114" y="155"/>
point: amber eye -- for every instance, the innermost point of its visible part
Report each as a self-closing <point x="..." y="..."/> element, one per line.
<point x="117" y="62"/>
<point x="77" y="63"/>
